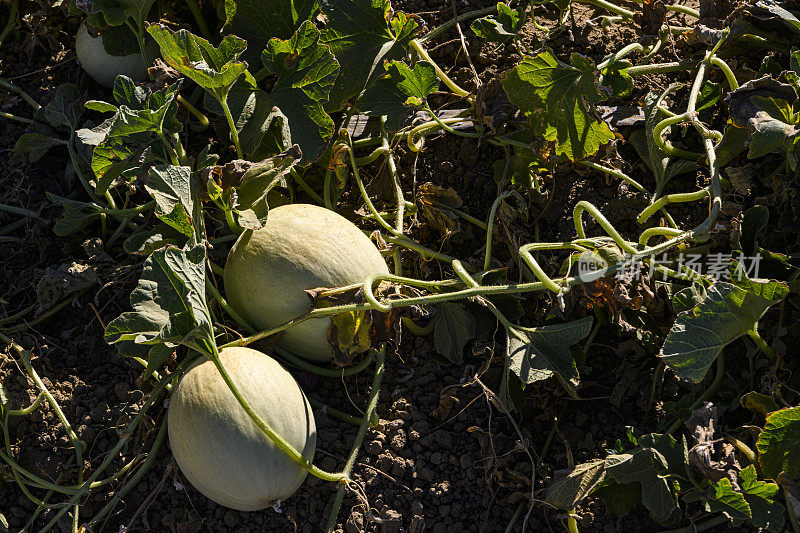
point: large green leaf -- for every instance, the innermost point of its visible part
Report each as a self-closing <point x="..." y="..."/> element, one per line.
<point x="169" y="302"/>
<point x="123" y="138"/>
<point x="764" y="107"/>
<point x="116" y="11"/>
<point x="214" y="68"/>
<point x="399" y="92"/>
<point x="65" y="108"/>
<point x="725" y="314"/>
<point x="575" y="485"/>
<point x="559" y="101"/>
<point x="502" y="27"/>
<point x="766" y="512"/>
<point x="77" y="215"/>
<point x="647" y="467"/>
<point x="454" y="328"/>
<point x="362" y="34"/>
<point x="779" y="443"/>
<point x="306" y="71"/>
<point x="173" y="189"/>
<point x="258" y="21"/>
<point x="729" y="501"/>
<point x="538" y="353"/>
<point x="255" y="185"/>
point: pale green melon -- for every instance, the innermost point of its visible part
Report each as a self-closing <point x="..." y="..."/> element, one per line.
<point x="102" y="66"/>
<point x="300" y="247"/>
<point x="219" y="448"/>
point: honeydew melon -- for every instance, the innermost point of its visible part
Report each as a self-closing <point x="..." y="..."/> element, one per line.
<point x="299" y="247"/>
<point x="219" y="448"/>
<point x="101" y="66"/>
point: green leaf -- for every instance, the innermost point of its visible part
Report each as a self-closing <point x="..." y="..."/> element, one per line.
<point x="779" y="444"/>
<point x="620" y="498"/>
<point x="147" y="241"/>
<point x="616" y="76"/>
<point x="169" y="302"/>
<point x="729" y="501"/>
<point x="66" y="107"/>
<point x="454" y="328"/>
<point x="559" y="101"/>
<point x="362" y="34"/>
<point x="399" y="92"/>
<point x="157" y="355"/>
<point x="734" y="142"/>
<point x="77" y="215"/>
<point x="214" y="68"/>
<point x="766" y="513"/>
<point x="726" y="313"/>
<point x="35" y="145"/>
<point x="710" y="94"/>
<point x="537" y="353"/>
<point x="306" y="71"/>
<point x="258" y="21"/>
<point x="689" y="297"/>
<point x="252" y="192"/>
<point x="753" y="222"/>
<point x="173" y="189"/>
<point x="100" y="106"/>
<point x="110" y="159"/>
<point x="524" y="166"/>
<point x="760" y="403"/>
<point x="568" y="490"/>
<point x="647" y="467"/>
<point x="764" y="107"/>
<point x="263" y="128"/>
<point x="676" y="454"/>
<point x="120" y="141"/>
<point x="769" y="134"/>
<point x="115" y="11"/>
<point x="502" y="27"/>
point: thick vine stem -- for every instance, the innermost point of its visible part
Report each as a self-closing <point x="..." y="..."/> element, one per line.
<point x="421" y="130"/>
<point x="614" y="172"/>
<point x="649" y="233"/>
<point x="762" y="345"/>
<point x="619" y="54"/>
<point x="13" y="21"/>
<point x="302" y="364"/>
<point x="453" y="86"/>
<point x="398" y="195"/>
<point x="232" y="126"/>
<point x="199" y="115"/>
<point x="365" y="196"/>
<point x="339" y="415"/>
<point x="671" y="199"/>
<point x="7" y="85"/>
<point x="372" y="402"/>
<point x="461" y="18"/>
<point x="608" y="6"/>
<point x="487" y="258"/>
<point x="265" y="428"/>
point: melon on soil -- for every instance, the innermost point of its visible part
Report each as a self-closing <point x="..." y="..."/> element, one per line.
<point x="219" y="448"/>
<point x="102" y="66"/>
<point x="300" y="247"/>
